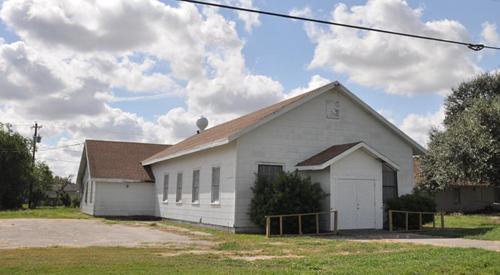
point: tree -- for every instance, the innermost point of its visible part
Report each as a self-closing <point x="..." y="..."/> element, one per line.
<point x="60" y="183"/>
<point x="485" y="86"/>
<point x="288" y="193"/>
<point x="16" y="166"/>
<point x="467" y="151"/>
<point x="43" y="181"/>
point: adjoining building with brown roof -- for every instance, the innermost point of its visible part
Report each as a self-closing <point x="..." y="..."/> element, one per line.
<point x="114" y="181"/>
<point x="462" y="197"/>
<point x="357" y="156"/>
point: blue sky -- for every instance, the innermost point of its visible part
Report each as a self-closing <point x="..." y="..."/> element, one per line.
<point x="145" y="70"/>
<point x="281" y="49"/>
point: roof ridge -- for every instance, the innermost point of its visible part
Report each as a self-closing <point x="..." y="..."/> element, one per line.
<point x="232" y="126"/>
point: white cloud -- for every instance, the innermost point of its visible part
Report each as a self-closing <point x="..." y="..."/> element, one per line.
<point x="304" y="12"/>
<point x="490" y="35"/>
<point x="387" y="114"/>
<point x="73" y="54"/>
<point x="316" y="81"/>
<point x="399" y="65"/>
<point x="251" y="20"/>
<point x="418" y="126"/>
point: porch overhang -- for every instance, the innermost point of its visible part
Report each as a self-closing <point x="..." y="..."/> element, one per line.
<point x="335" y="153"/>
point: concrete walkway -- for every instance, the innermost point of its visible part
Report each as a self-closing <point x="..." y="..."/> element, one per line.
<point x="16" y="233"/>
<point x="399" y="237"/>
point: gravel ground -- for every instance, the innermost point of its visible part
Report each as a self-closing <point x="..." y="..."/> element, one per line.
<point x="16" y="233"/>
<point x="401" y="237"/>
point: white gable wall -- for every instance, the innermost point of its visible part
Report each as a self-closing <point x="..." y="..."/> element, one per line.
<point x="305" y="131"/>
<point x="115" y="198"/>
<point x="86" y="207"/>
<point x="221" y="214"/>
<point x="358" y="165"/>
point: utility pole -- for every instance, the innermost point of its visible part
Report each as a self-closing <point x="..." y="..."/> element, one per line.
<point x="36" y="139"/>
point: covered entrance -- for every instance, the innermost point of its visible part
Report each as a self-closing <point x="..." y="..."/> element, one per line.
<point x="356" y="198"/>
<point x="352" y="175"/>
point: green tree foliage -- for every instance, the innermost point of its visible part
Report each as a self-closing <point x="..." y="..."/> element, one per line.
<point x="42" y="183"/>
<point x="15" y="169"/>
<point x="468" y="150"/>
<point x="485" y="86"/>
<point x="288" y="193"/>
<point x="59" y="185"/>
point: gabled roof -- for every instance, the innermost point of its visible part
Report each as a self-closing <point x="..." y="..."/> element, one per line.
<point x="119" y="160"/>
<point x="231" y="130"/>
<point x="327" y="154"/>
<point x="335" y="153"/>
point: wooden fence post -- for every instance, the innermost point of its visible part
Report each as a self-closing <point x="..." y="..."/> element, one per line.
<point x="390" y="221"/>
<point x="268" y="226"/>
<point x="442" y="220"/>
<point x="317" y="223"/>
<point x="406" y="217"/>
<point x="300" y="224"/>
<point x="281" y="225"/>
<point x="420" y="221"/>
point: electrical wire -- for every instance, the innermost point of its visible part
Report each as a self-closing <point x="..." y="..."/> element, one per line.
<point x="472" y="46"/>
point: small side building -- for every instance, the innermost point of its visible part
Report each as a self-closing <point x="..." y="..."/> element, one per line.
<point x="467" y="198"/>
<point x="112" y="180"/>
<point x="463" y="197"/>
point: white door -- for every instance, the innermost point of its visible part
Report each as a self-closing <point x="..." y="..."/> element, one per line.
<point x="355" y="203"/>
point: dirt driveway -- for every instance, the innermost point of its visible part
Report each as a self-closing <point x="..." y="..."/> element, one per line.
<point x="401" y="237"/>
<point x="16" y="233"/>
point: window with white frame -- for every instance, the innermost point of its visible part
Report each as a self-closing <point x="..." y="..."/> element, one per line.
<point x="91" y="190"/>
<point x="215" y="185"/>
<point x="389" y="183"/>
<point x="165" y="188"/>
<point x="269" y="171"/>
<point x="178" y="193"/>
<point x="86" y="191"/>
<point x="196" y="187"/>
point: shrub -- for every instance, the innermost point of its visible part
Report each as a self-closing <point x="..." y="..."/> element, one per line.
<point x="288" y="193"/>
<point x="65" y="199"/>
<point x="416" y="201"/>
<point x="75" y="202"/>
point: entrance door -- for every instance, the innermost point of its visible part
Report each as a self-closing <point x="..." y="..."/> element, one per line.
<point x="355" y="203"/>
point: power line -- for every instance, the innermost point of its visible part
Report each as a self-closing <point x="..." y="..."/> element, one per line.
<point x="46" y="149"/>
<point x="472" y="46"/>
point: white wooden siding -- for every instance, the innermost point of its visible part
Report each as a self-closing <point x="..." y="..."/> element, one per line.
<point x="305" y="131"/>
<point x="86" y="207"/>
<point x="221" y="214"/>
<point x="124" y="199"/>
<point x="358" y="165"/>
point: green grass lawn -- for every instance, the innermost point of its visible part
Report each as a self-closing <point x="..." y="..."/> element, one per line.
<point x="45" y="212"/>
<point x="249" y="254"/>
<point x="480" y="227"/>
<point x="298" y="256"/>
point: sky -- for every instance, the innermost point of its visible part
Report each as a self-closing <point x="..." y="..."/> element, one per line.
<point x="146" y="70"/>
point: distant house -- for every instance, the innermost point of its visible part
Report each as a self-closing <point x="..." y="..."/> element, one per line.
<point x="462" y="197"/>
<point x="73" y="190"/>
<point x="359" y="158"/>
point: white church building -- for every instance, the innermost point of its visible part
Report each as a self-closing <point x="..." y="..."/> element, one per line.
<point x="359" y="158"/>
